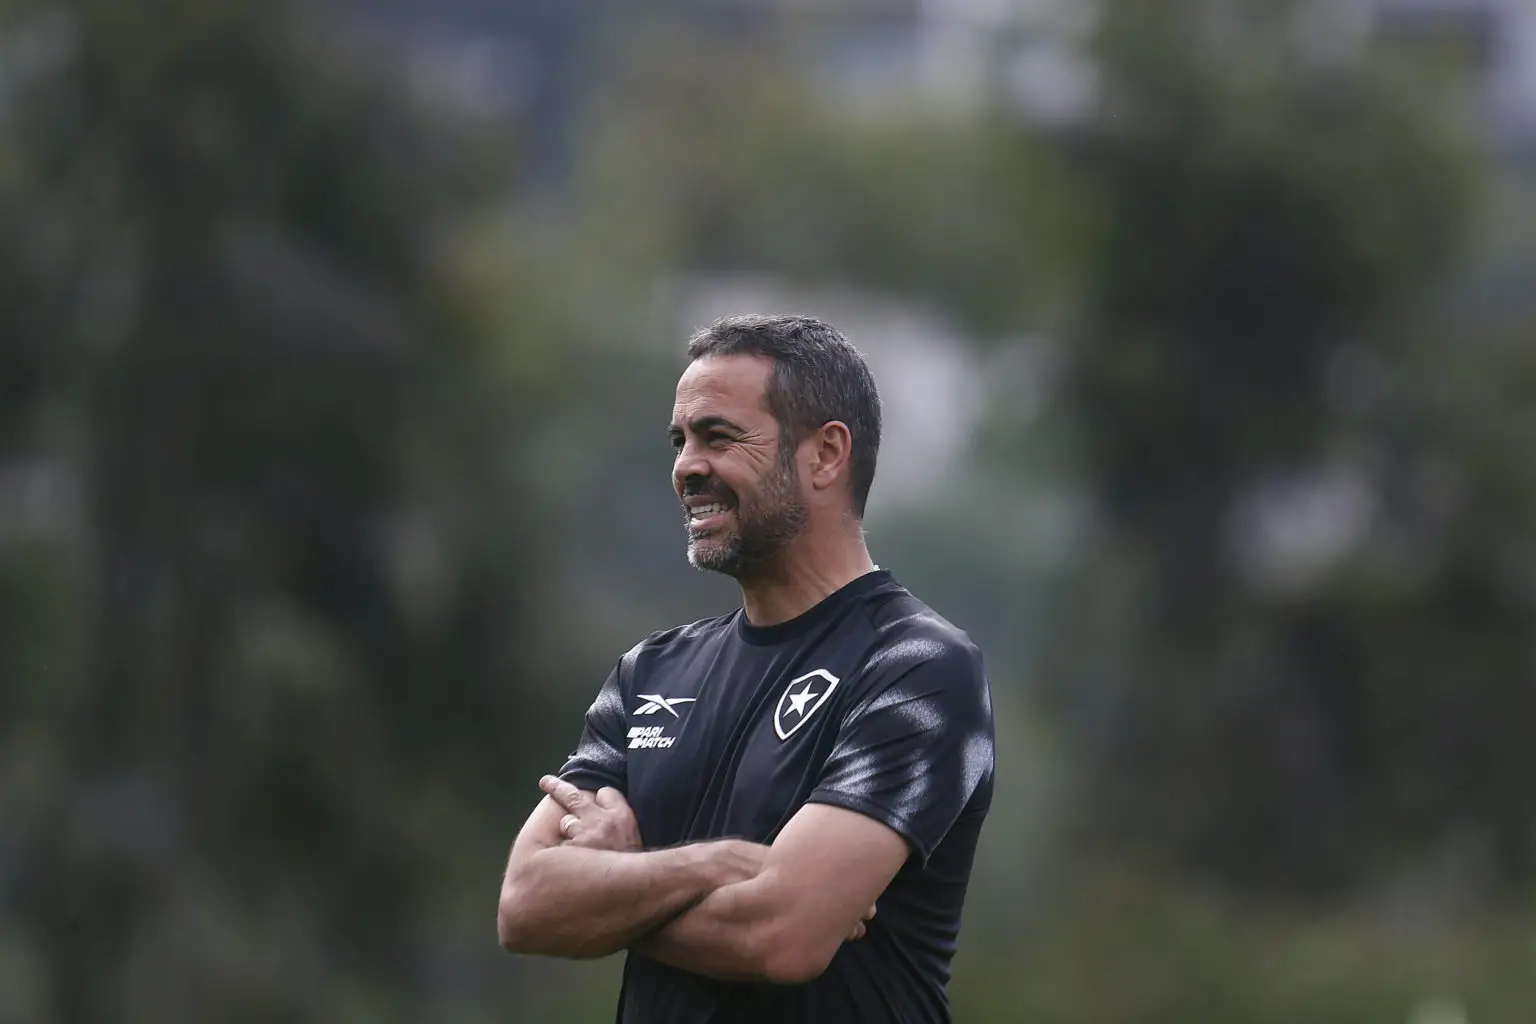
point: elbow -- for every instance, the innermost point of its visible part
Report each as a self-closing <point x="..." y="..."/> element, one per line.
<point x="793" y="967"/>
<point x="786" y="958"/>
<point x="525" y="928"/>
<point x="513" y="924"/>
<point x="508" y="926"/>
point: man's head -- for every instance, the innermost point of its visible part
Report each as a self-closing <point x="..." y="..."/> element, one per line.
<point x="777" y="423"/>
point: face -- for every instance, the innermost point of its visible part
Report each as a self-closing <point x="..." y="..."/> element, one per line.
<point x="740" y="490"/>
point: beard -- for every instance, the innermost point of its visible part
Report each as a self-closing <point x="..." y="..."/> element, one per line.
<point x="764" y="525"/>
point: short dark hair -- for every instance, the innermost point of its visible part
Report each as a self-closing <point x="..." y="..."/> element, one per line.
<point x="817" y="377"/>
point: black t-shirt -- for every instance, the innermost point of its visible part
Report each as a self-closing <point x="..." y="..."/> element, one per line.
<point x="869" y="701"/>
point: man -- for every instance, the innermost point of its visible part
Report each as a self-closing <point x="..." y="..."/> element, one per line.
<point x="774" y="811"/>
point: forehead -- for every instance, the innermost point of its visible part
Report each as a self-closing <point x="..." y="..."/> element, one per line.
<point x="729" y="386"/>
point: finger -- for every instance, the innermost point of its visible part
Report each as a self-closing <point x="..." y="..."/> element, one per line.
<point x="869" y="915"/>
<point x="568" y="826"/>
<point x="609" y="798"/>
<point x="564" y="794"/>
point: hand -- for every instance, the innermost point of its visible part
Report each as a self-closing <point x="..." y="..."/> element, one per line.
<point x="733" y="860"/>
<point x="859" y="929"/>
<point x="598" y="821"/>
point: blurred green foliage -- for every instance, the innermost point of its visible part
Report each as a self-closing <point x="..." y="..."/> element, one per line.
<point x="332" y="482"/>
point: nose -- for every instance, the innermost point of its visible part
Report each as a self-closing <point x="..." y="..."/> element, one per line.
<point x="690" y="465"/>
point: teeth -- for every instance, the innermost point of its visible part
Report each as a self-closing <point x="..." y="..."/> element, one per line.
<point x="704" y="511"/>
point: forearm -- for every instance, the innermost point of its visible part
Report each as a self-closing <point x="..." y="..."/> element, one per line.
<point x="579" y="903"/>
<point x="711" y="938"/>
<point x="733" y="934"/>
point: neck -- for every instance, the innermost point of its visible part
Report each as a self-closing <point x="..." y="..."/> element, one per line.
<point x="809" y="570"/>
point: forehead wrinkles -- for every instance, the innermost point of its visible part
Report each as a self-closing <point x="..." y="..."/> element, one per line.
<point x="724" y="387"/>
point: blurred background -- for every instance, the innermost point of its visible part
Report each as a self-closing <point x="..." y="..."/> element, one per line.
<point x="337" y="346"/>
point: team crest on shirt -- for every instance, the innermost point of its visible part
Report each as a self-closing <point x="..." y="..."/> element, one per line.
<point x="802" y="698"/>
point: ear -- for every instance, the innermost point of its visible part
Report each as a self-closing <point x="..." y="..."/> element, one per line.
<point x="829" y="449"/>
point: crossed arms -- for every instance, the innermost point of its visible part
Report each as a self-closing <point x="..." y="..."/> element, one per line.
<point x="579" y="885"/>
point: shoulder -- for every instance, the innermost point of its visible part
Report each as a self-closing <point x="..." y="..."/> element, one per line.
<point x="909" y="635"/>
<point x="922" y="691"/>
<point x="921" y="664"/>
<point x="674" y="638"/>
<point x="638" y="660"/>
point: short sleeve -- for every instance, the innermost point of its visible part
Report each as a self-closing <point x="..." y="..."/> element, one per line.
<point x="599" y="759"/>
<point x="913" y="752"/>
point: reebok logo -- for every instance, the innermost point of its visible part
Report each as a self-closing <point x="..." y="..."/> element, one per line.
<point x="656" y="702"/>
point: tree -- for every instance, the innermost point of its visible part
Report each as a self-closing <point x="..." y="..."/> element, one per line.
<point x="271" y="618"/>
<point x="1273" y="219"/>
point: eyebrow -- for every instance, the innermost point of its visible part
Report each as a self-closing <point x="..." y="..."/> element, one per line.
<point x="703" y="423"/>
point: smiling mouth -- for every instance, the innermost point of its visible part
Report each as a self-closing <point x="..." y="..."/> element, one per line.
<point x="704" y="515"/>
